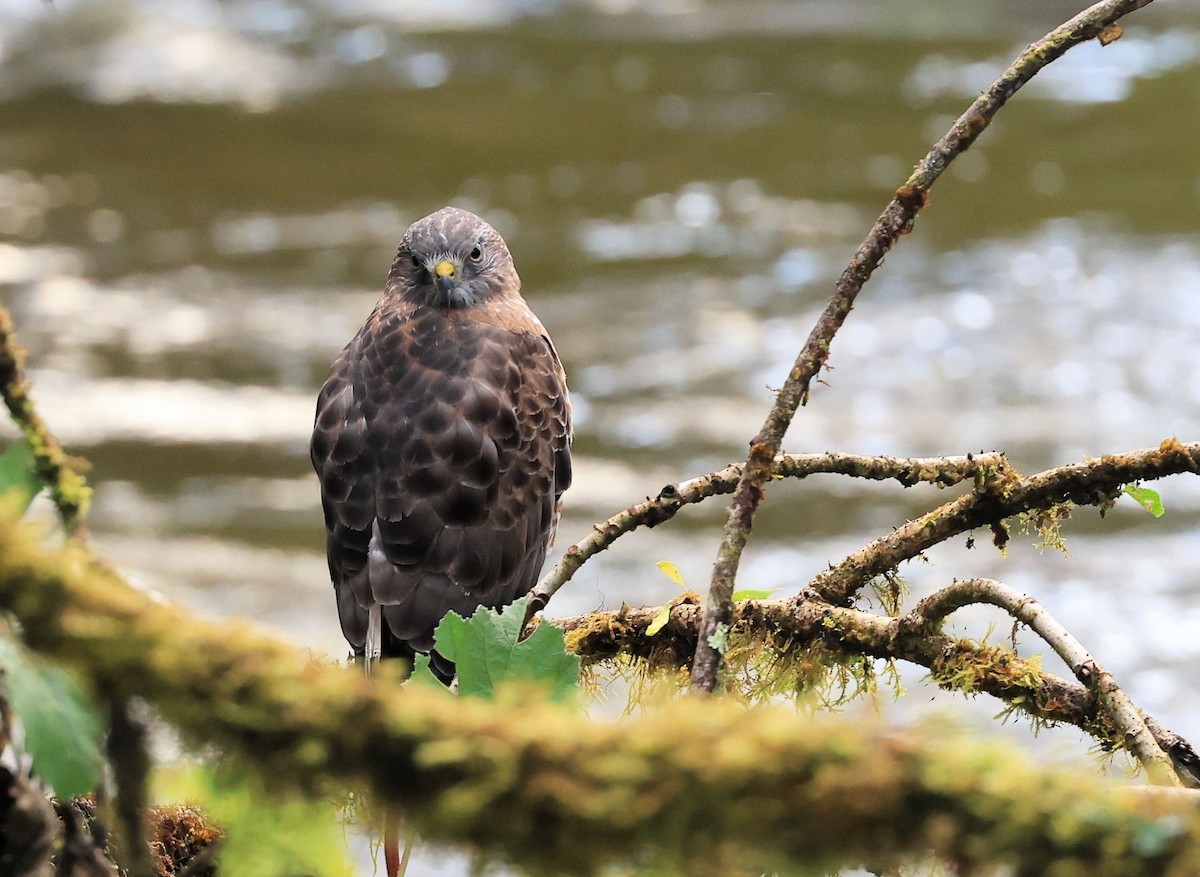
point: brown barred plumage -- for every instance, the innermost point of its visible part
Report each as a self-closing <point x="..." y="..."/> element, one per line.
<point x="442" y="441"/>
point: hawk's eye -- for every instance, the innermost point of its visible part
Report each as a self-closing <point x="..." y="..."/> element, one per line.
<point x="476" y="254"/>
<point x="416" y="262"/>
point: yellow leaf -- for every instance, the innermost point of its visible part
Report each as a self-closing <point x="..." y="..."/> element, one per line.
<point x="753" y="594"/>
<point x="660" y="620"/>
<point x="671" y="571"/>
<point x="1110" y="34"/>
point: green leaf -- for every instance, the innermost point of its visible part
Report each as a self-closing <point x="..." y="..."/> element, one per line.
<point x="18" y="475"/>
<point x="672" y="572"/>
<point x="1146" y="498"/>
<point x="263" y="833"/>
<point x="752" y="594"/>
<point x="720" y="638"/>
<point x="62" y="727"/>
<point x="660" y="620"/>
<point x="486" y="650"/>
<point x="423" y="675"/>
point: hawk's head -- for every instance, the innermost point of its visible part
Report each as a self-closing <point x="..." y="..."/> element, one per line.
<point x="453" y="259"/>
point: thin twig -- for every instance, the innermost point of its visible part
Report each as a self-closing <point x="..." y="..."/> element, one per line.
<point x="29" y="831"/>
<point x="68" y="490"/>
<point x="130" y="762"/>
<point x="943" y="471"/>
<point x="1092" y="482"/>
<point x="203" y="859"/>
<point x="896" y="219"/>
<point x="82" y="850"/>
<point x="1125" y="716"/>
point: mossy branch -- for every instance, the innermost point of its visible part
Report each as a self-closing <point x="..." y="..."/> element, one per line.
<point x="942" y="471"/>
<point x="68" y="490"/>
<point x="1093" y="482"/>
<point x="71" y="497"/>
<point x="897" y="219"/>
<point x="803" y="625"/>
<point x="998" y="492"/>
<point x="1125" y="717"/>
<point x="791" y="626"/>
<point x="547" y="788"/>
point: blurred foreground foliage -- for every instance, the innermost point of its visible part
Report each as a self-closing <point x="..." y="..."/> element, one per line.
<point x="696" y="785"/>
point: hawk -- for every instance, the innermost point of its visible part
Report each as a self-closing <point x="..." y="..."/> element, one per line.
<point x="442" y="442"/>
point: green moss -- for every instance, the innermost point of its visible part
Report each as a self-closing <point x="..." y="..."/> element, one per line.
<point x="1047" y="524"/>
<point x="756" y="670"/>
<point x="695" y="786"/>
<point x="964" y="670"/>
<point x="891" y="590"/>
<point x="58" y="472"/>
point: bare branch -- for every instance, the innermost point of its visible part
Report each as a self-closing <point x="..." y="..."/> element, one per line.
<point x="896" y="219"/>
<point x="130" y="760"/>
<point x="1125" y="716"/>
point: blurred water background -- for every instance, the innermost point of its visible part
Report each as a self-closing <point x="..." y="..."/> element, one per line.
<point x="199" y="201"/>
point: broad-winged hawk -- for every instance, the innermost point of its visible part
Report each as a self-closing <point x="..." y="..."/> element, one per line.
<point x="442" y="442"/>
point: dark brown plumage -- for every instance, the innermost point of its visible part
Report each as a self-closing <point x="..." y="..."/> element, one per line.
<point x="442" y="441"/>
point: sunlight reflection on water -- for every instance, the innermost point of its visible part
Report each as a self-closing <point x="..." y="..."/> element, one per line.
<point x="680" y="198"/>
<point x="1092" y="74"/>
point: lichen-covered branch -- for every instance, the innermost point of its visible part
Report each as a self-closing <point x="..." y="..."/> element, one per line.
<point x="943" y="471"/>
<point x="896" y="219"/>
<point x="1126" y="718"/>
<point x="799" y="626"/>
<point x="67" y="488"/>
<point x="543" y="786"/>
<point x="1093" y="482"/>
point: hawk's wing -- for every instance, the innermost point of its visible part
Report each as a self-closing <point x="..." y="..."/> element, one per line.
<point x="443" y="447"/>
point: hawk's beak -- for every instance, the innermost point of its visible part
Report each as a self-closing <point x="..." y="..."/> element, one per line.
<point x="446" y="275"/>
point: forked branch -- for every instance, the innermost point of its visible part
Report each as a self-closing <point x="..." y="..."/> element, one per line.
<point x="1126" y="718"/>
<point x="943" y="471"/>
<point x="1092" y="482"/>
<point x="896" y="219"/>
<point x="799" y="625"/>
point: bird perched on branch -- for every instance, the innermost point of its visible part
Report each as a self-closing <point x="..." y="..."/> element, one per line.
<point x="442" y="443"/>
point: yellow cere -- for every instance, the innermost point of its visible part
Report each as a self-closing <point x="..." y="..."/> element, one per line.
<point x="444" y="268"/>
